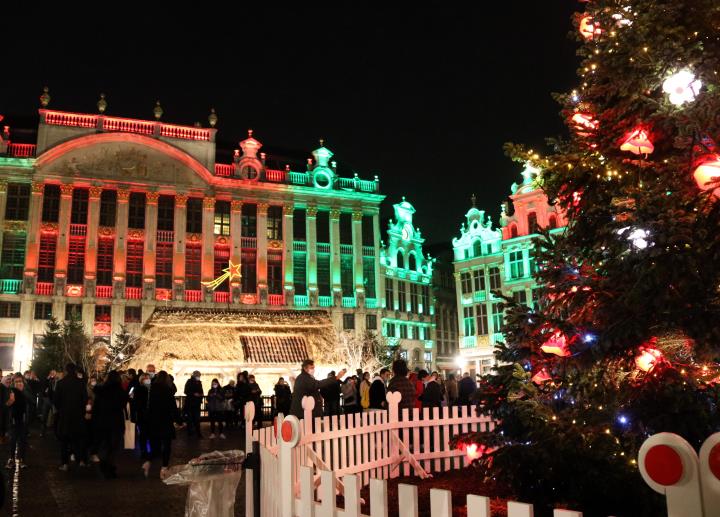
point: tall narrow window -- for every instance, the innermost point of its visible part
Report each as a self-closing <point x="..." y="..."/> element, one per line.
<point x="222" y="255"/>
<point x="347" y="280"/>
<point x="513" y="231"/>
<point x="136" y="210"/>
<point x="46" y="262"/>
<point x="402" y="297"/>
<point x="465" y="282"/>
<point x="13" y="256"/>
<point x="468" y="321"/>
<point x="134" y="268"/>
<point x="412" y="263"/>
<point x="414" y="298"/>
<point x="477" y="248"/>
<point x="108" y="207"/>
<point x="164" y="265"/>
<point x="520" y="297"/>
<point x="479" y="280"/>
<point x="79" y="212"/>
<point x="222" y="218"/>
<point x="400" y="260"/>
<point x="76" y="260"/>
<point x="166" y="213"/>
<point x="494" y="274"/>
<point x="481" y="318"/>
<point x="248" y="268"/>
<point x="249" y="220"/>
<point x="497" y="317"/>
<point x="389" y="295"/>
<point x="323" y="274"/>
<point x="300" y="273"/>
<point x="425" y="300"/>
<point x="369" y="277"/>
<point x="192" y="266"/>
<point x="552" y="222"/>
<point x="105" y="261"/>
<point x="517" y="266"/>
<point x="18" y="201"/>
<point x="51" y="203"/>
<point x="275" y="272"/>
<point x="532" y="222"/>
<point x="274" y="223"/>
<point x="299" y="224"/>
<point x="368" y="231"/>
<point x="194" y="215"/>
<point x="345" y="224"/>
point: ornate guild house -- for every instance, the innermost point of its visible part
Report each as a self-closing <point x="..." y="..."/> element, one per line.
<point x="133" y="222"/>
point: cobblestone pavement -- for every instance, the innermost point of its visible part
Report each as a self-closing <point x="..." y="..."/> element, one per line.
<point x="43" y="490"/>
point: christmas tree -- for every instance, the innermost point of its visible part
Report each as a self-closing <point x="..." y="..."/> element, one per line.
<point x="119" y="353"/>
<point x="626" y="340"/>
<point x="50" y="354"/>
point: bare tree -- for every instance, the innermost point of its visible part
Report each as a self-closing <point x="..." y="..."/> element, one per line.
<point x="368" y="352"/>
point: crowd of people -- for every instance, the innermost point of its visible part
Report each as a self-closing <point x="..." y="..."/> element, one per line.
<point x="93" y="417"/>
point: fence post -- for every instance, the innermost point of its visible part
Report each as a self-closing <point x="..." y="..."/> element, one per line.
<point x="252" y="504"/>
<point x="308" y="404"/>
<point x="289" y="435"/>
<point x="393" y="400"/>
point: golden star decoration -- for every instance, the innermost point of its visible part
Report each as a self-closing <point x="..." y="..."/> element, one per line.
<point x="229" y="273"/>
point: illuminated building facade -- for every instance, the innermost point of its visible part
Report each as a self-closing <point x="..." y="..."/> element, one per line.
<point x="113" y="217"/>
<point x="498" y="259"/>
<point x="409" y="316"/>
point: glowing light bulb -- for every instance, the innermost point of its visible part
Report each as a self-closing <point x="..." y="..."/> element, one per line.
<point x="682" y="87"/>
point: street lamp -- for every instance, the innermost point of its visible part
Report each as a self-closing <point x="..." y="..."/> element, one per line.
<point x="460" y="362"/>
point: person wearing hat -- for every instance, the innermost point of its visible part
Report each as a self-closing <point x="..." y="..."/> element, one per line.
<point x="193" y="402"/>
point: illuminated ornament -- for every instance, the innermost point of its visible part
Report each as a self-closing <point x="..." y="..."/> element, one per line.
<point x="230" y="272"/>
<point x="541" y="377"/>
<point x="648" y="358"/>
<point x="584" y="121"/>
<point x="682" y="87"/>
<point x="587" y="28"/>
<point x="620" y="20"/>
<point x="637" y="236"/>
<point x="557" y="344"/>
<point x="707" y="174"/>
<point x="637" y="142"/>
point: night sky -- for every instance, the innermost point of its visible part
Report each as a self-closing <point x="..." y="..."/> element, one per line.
<point x="423" y="97"/>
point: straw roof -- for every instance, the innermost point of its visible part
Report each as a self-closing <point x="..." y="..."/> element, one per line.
<point x="237" y="336"/>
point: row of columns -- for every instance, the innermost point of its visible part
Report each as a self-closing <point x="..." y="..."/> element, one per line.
<point x="149" y="237"/>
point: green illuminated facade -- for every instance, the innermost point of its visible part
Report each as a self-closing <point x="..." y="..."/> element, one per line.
<point x="408" y="318"/>
<point x="490" y="259"/>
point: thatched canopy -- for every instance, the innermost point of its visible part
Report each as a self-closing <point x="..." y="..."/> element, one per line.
<point x="256" y="337"/>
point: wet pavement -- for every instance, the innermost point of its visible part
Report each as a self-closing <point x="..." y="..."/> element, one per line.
<point x="42" y="489"/>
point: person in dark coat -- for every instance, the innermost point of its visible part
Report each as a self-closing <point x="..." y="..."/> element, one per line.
<point x="466" y="387"/>
<point x="141" y="397"/>
<point x="109" y="415"/>
<point x="70" y="400"/>
<point x="402" y="384"/>
<point x="162" y="415"/>
<point x="20" y="403"/>
<point x="306" y="385"/>
<point x="256" y="398"/>
<point x="193" y="403"/>
<point x="230" y="413"/>
<point x="432" y="395"/>
<point x="242" y="395"/>
<point x="378" y="390"/>
<point x="216" y="408"/>
<point x="331" y="397"/>
<point x="283" y="397"/>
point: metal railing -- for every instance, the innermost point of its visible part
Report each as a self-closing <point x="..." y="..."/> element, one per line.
<point x="325" y="301"/>
<point x="276" y="299"/>
<point x="44" y="288"/>
<point x="21" y="150"/>
<point x="192" y="295"/>
<point x="103" y="291"/>
<point x="10" y="286"/>
<point x="133" y="293"/>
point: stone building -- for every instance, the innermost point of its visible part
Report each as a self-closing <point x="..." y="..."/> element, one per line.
<point x="501" y="259"/>
<point x="114" y="217"/>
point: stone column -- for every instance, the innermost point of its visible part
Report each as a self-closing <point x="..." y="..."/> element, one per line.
<point x="150" y="248"/>
<point x="3" y="205"/>
<point x="22" y="354"/>
<point x="288" y="263"/>
<point x="180" y="225"/>
<point x="88" y="318"/>
<point x="117" y="317"/>
<point x="32" y="247"/>
<point x="379" y="278"/>
<point x="91" y="240"/>
<point x="208" y="239"/>
<point x="262" y="209"/>
<point x="358" y="259"/>
<point x="335" y="277"/>
<point x="121" y="230"/>
<point x="236" y="245"/>
<point x="311" y="254"/>
<point x="61" y="253"/>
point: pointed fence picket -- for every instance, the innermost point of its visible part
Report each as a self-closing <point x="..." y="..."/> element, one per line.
<point x="341" y="454"/>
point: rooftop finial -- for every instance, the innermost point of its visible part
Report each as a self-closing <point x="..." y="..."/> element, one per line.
<point x="157" y="111"/>
<point x="250" y="132"/>
<point x="45" y="97"/>
<point x="212" y="118"/>
<point x="322" y="142"/>
<point x="473" y="199"/>
<point x="102" y="103"/>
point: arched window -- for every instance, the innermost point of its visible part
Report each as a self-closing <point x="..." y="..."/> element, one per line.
<point x="412" y="263"/>
<point x="400" y="260"/>
<point x="416" y="355"/>
<point x="532" y="222"/>
<point x="552" y="222"/>
<point x="513" y="231"/>
<point x="477" y="248"/>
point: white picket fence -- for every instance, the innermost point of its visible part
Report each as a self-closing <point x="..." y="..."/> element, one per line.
<point x="321" y="457"/>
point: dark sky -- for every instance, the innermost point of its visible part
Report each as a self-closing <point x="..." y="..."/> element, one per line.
<point x="424" y="97"/>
